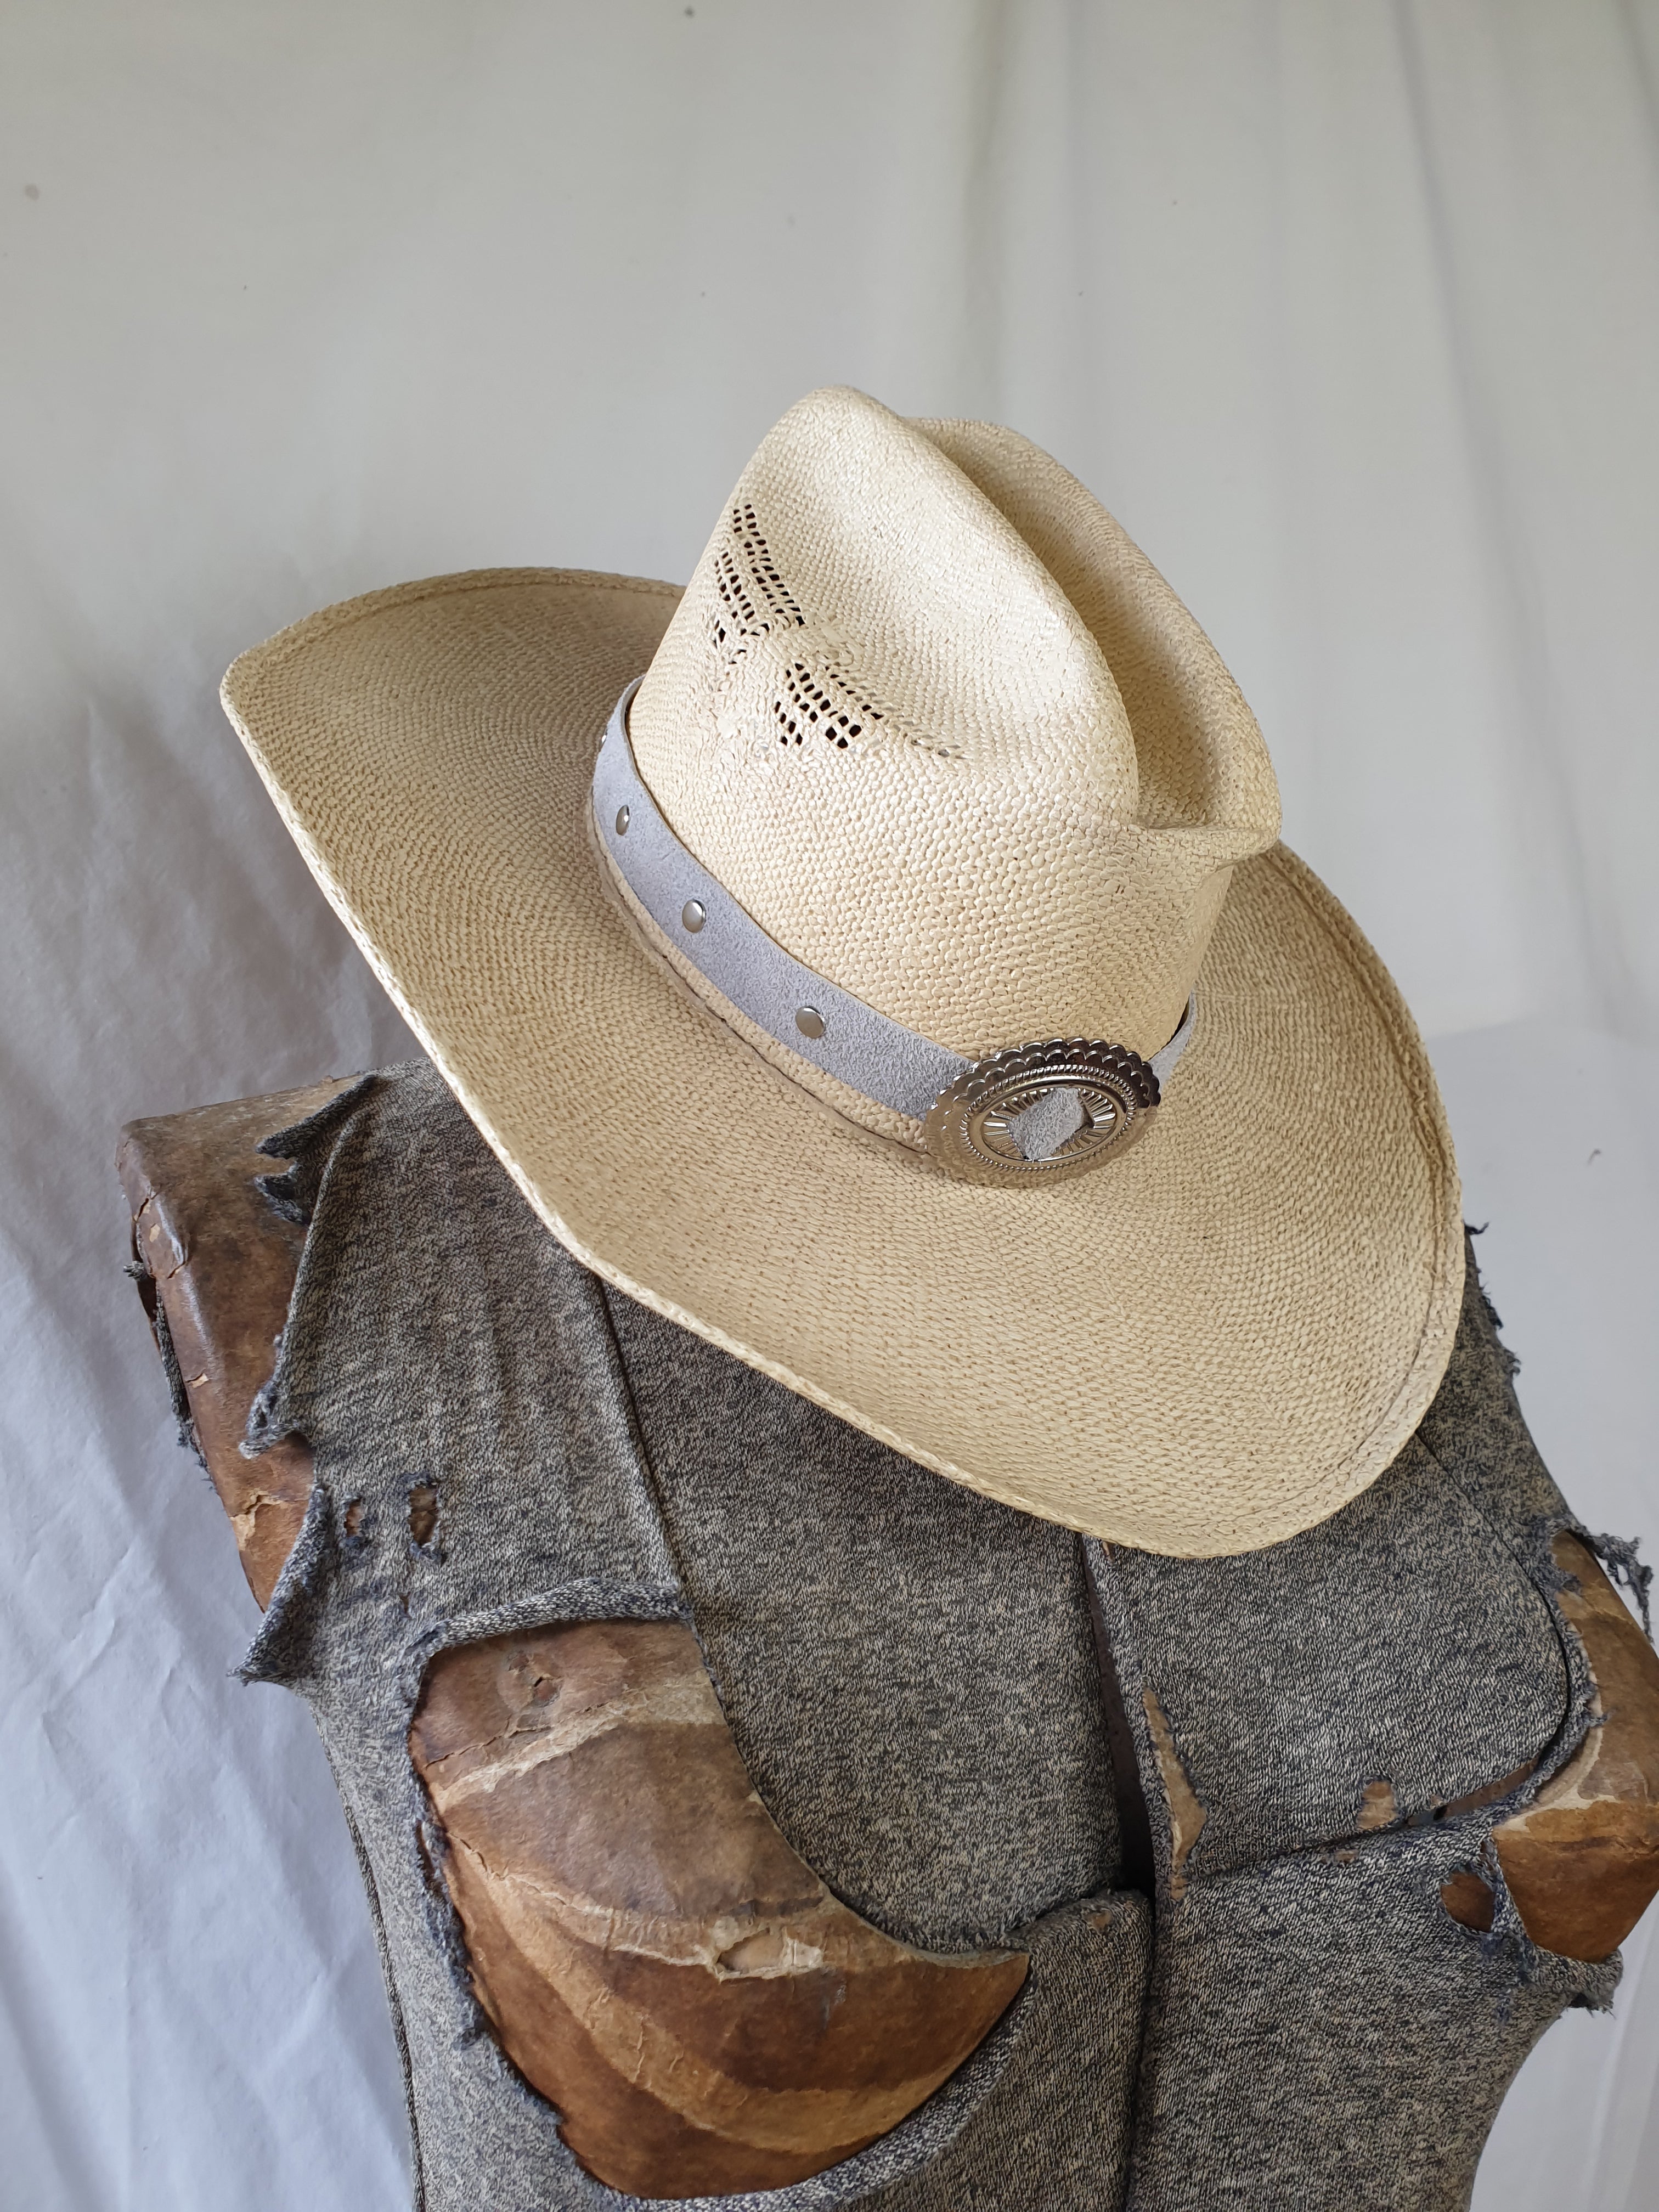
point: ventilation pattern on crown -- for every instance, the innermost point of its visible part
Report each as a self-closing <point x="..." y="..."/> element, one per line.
<point x="754" y="597"/>
<point x="809" y="691"/>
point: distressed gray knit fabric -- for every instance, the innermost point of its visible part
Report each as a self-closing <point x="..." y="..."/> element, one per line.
<point x="909" y="1674"/>
<point x="1319" y="2031"/>
<point x="1400" y="1643"/>
<point x="438" y="1337"/>
<point x="1323" y="2033"/>
<point x="908" y="1668"/>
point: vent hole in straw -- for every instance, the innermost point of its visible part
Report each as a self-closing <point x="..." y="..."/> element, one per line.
<point x="820" y="703"/>
<point x="817" y="697"/>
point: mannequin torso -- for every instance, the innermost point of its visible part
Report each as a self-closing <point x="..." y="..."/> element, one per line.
<point x="1579" y="1860"/>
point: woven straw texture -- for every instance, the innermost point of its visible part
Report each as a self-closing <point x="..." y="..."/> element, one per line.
<point x="881" y="722"/>
<point x="1202" y="1347"/>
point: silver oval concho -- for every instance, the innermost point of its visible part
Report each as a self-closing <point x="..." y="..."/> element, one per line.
<point x="1042" y="1111"/>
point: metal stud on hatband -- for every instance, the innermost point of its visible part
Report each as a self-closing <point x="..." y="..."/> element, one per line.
<point x="809" y="1021"/>
<point x="693" y="915"/>
<point x="622" y="821"/>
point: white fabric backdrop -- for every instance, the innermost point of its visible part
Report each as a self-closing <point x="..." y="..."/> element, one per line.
<point x="1349" y="310"/>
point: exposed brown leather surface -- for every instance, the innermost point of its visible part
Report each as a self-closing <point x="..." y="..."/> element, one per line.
<point x="1467" y="1898"/>
<point x="1186" y="1814"/>
<point x="223" y="1262"/>
<point x="1582" y="1862"/>
<point x="657" y="1960"/>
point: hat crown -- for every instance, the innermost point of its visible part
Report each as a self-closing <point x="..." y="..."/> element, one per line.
<point x="950" y="739"/>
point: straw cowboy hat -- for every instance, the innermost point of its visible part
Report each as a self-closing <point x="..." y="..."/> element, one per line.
<point x="909" y="994"/>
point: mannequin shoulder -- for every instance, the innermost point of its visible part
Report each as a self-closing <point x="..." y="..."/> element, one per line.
<point x="651" y="1952"/>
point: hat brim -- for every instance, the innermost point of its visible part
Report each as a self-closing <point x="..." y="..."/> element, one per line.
<point x="1203" y="1347"/>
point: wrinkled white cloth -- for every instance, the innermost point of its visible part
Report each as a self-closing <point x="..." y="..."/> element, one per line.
<point x="1348" y="310"/>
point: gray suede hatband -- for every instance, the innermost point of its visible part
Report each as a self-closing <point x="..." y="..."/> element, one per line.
<point x="800" y="1008"/>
